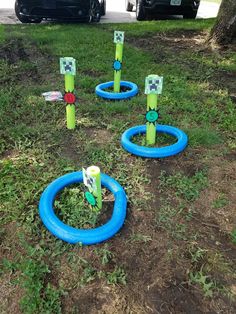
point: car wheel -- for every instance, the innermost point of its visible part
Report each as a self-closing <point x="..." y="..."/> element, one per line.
<point x="128" y="6"/>
<point x="140" y="10"/>
<point x="191" y="14"/>
<point x="95" y="11"/>
<point x="103" y="8"/>
<point x="24" y="19"/>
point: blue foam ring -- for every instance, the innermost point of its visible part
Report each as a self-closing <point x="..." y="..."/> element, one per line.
<point x="154" y="152"/>
<point x="100" y="90"/>
<point x="73" y="235"/>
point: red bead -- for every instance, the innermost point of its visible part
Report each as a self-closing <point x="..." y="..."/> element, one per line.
<point x="69" y="98"/>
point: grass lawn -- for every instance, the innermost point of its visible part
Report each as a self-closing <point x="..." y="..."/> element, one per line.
<point x="176" y="251"/>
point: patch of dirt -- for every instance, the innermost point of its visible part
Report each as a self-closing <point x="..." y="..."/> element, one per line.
<point x="164" y="46"/>
<point x="107" y="210"/>
<point x="123" y="89"/>
<point x="13" y="51"/>
<point x="94" y="299"/>
<point x="178" y="297"/>
<point x="10" y="295"/>
<point x="10" y="292"/>
<point x="229" y="80"/>
<point x="99" y="136"/>
<point x="18" y="50"/>
<point x="184" y="39"/>
<point x="170" y="299"/>
<point x="70" y="148"/>
<point x="222" y="183"/>
<point x="213" y="225"/>
<point x="186" y="163"/>
<point x="93" y="73"/>
<point x="9" y="154"/>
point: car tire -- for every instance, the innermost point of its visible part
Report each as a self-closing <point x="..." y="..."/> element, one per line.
<point x="103" y="8"/>
<point x="95" y="11"/>
<point x="190" y="14"/>
<point x="140" y="10"/>
<point x="25" y="19"/>
<point x="128" y="6"/>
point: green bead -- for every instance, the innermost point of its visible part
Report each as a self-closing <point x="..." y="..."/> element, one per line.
<point x="90" y="198"/>
<point x="152" y="116"/>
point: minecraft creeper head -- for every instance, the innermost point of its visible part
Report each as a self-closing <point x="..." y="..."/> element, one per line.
<point x="89" y="181"/>
<point x="67" y="65"/>
<point x="153" y="84"/>
<point x="119" y="37"/>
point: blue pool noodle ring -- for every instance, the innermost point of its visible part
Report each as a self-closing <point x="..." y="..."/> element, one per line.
<point x="154" y="152"/>
<point x="84" y="236"/>
<point x="100" y="90"/>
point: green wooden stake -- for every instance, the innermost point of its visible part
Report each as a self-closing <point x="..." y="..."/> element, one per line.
<point x="153" y="87"/>
<point x="68" y="68"/>
<point x="117" y="65"/>
<point x="94" y="196"/>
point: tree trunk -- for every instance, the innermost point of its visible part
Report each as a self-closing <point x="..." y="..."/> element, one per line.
<point x="224" y="30"/>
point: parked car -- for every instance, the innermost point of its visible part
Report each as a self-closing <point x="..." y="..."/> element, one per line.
<point x="187" y="8"/>
<point x="34" y="11"/>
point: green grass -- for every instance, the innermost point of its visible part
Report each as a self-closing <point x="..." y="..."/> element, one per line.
<point x="220" y="202"/>
<point x="146" y="28"/>
<point x="173" y="220"/>
<point x="39" y="297"/>
<point x="233" y="235"/>
<point x="36" y="148"/>
<point x="204" y="281"/>
<point x="189" y="188"/>
<point x="73" y="210"/>
<point x="207" y="267"/>
<point x="2" y="34"/>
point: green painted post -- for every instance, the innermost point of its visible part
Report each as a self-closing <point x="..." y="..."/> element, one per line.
<point x="117" y="65"/>
<point x="153" y="87"/>
<point x="151" y="126"/>
<point x="70" y="108"/>
<point x="70" y="117"/>
<point x="69" y="82"/>
<point x="68" y="68"/>
<point x="92" y="179"/>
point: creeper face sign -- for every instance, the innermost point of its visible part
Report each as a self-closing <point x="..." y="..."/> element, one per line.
<point x="153" y="84"/>
<point x="119" y="37"/>
<point x="67" y="66"/>
<point x="89" y="181"/>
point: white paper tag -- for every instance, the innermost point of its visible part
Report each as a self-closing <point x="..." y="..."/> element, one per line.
<point x="89" y="181"/>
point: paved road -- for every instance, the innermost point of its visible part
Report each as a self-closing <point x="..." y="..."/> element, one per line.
<point x="115" y="12"/>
